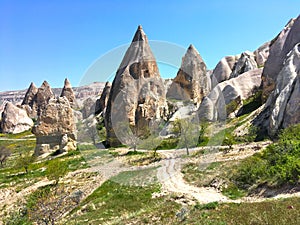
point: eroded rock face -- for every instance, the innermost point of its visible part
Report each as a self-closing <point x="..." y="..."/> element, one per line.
<point x="67" y="91"/>
<point x="15" y="120"/>
<point x="30" y="95"/>
<point x="223" y="69"/>
<point x="282" y="105"/>
<point x="227" y="96"/>
<point x="89" y="107"/>
<point x="137" y="95"/>
<point x="192" y="81"/>
<point x="245" y="63"/>
<point x="102" y="102"/>
<point x="55" y="129"/>
<point x="262" y="54"/>
<point x="280" y="47"/>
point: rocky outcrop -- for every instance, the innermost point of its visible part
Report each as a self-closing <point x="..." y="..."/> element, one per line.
<point x="192" y="81"/>
<point x="43" y="95"/>
<point x="245" y="63"/>
<point x="88" y="108"/>
<point x="67" y="91"/>
<point x="282" y="108"/>
<point x="30" y="95"/>
<point x="262" y="54"/>
<point x="102" y="101"/>
<point x="137" y="96"/>
<point x="223" y="69"/>
<point x="280" y="47"/>
<point x="15" y="120"/>
<point x="227" y="96"/>
<point x="55" y="129"/>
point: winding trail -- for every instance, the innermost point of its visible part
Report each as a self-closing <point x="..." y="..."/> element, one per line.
<point x="172" y="180"/>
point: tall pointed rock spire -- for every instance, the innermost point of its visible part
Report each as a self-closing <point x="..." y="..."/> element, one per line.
<point x="67" y="91"/>
<point x="137" y="94"/>
<point x="29" y="96"/>
<point x="192" y="81"/>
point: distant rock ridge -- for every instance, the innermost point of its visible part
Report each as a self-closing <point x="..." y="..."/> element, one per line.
<point x="192" y="81"/>
<point x="15" y="120"/>
<point x="137" y="94"/>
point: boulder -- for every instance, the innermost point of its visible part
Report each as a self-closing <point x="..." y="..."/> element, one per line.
<point x="192" y="81"/>
<point x="137" y="97"/>
<point x="55" y="129"/>
<point x="227" y="96"/>
<point x="15" y="120"/>
<point x="280" y="47"/>
<point x="67" y="91"/>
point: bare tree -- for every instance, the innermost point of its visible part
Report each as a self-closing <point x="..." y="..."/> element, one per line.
<point x="4" y="154"/>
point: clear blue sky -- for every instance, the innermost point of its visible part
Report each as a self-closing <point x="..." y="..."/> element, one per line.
<point x="51" y="40"/>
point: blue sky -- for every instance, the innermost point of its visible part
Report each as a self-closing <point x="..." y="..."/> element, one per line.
<point x="51" y="40"/>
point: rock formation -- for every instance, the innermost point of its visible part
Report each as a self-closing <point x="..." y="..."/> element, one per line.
<point x="55" y="129"/>
<point x="88" y="108"/>
<point x="282" y="108"/>
<point x="102" y="102"/>
<point x="280" y="47"/>
<point x="245" y="63"/>
<point x="15" y="120"/>
<point x="227" y="96"/>
<point x="223" y="69"/>
<point x="262" y="54"/>
<point x="43" y="95"/>
<point x="30" y="95"/>
<point x="192" y="81"/>
<point x="67" y="91"/>
<point x="137" y="96"/>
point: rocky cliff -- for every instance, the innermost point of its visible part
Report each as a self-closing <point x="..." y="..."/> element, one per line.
<point x="67" y="91"/>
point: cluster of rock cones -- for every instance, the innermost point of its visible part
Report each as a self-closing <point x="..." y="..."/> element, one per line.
<point x="139" y="99"/>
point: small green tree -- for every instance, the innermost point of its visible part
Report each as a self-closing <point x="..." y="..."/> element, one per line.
<point x="56" y="169"/>
<point x="25" y="160"/>
<point x="187" y="133"/>
<point x="229" y="140"/>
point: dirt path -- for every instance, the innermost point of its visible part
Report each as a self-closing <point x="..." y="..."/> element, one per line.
<point x="172" y="180"/>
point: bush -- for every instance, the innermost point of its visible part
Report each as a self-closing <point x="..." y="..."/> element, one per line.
<point x="56" y="169"/>
<point x="278" y="164"/>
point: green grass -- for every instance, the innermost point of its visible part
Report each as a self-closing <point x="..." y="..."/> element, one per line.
<point x="268" y="212"/>
<point x="115" y="201"/>
<point x="25" y="134"/>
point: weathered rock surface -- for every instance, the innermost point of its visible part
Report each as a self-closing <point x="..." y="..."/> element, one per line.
<point x="67" y="91"/>
<point x="15" y="120"/>
<point x="282" y="108"/>
<point x="101" y="103"/>
<point x="137" y="95"/>
<point x="262" y="54"/>
<point x="89" y="107"/>
<point x="280" y="47"/>
<point x="30" y="95"/>
<point x="223" y="69"/>
<point x="228" y="95"/>
<point x="55" y="129"/>
<point x="245" y="63"/>
<point x="192" y="81"/>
